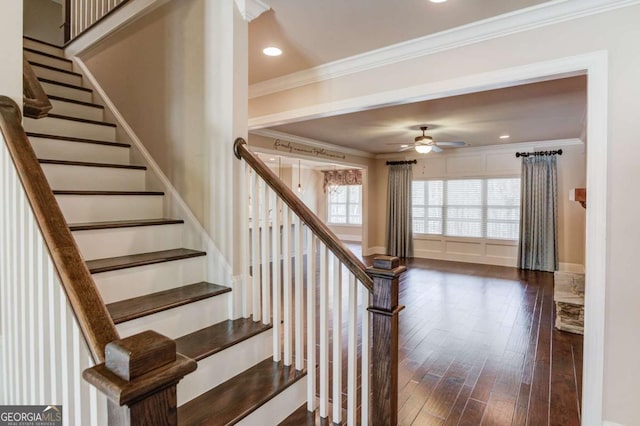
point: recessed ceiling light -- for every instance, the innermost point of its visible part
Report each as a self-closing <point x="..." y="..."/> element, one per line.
<point x="272" y="159"/>
<point x="437" y="1"/>
<point x="272" y="51"/>
<point x="404" y="146"/>
<point x="504" y="137"/>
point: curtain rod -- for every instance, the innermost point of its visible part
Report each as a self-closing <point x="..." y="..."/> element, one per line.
<point x="527" y="154"/>
<point x="396" y="163"/>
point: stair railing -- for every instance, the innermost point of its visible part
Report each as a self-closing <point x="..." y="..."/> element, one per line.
<point x="54" y="323"/>
<point x="281" y="245"/>
<point x="81" y="15"/>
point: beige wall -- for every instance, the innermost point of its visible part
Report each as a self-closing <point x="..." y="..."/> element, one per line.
<point x="11" y="50"/>
<point x="179" y="78"/>
<point x="42" y="20"/>
<point x="617" y="32"/>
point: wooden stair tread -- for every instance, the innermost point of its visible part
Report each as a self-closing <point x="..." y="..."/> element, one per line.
<point x="81" y="140"/>
<point x="302" y="417"/>
<point x="59" y="83"/>
<point x="134" y="260"/>
<point x="51" y="67"/>
<point x="210" y="340"/>
<point x="74" y="101"/>
<point x="129" y="309"/>
<point x="90" y="164"/>
<point x="91" y="192"/>
<point x="39" y="52"/>
<point x="238" y="397"/>
<point x="81" y="120"/>
<point x="41" y="41"/>
<point x="123" y="224"/>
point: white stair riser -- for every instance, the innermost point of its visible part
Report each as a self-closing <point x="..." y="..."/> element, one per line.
<point x="61" y="127"/>
<point x="279" y="408"/>
<point x="76" y="110"/>
<point x="54" y="149"/>
<point x="58" y="76"/>
<point x="235" y="359"/>
<point x="182" y="320"/>
<point x="134" y="282"/>
<point x="100" y="208"/>
<point x="101" y="243"/>
<point x="71" y="177"/>
<point x="47" y="60"/>
<point x="83" y="178"/>
<point x="31" y="44"/>
<point x="66" y="92"/>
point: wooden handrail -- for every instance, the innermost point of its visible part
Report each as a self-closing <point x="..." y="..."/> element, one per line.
<point x="319" y="228"/>
<point x="85" y="300"/>
<point x="36" y="101"/>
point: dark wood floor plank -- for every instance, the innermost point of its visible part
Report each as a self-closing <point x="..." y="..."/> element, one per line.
<point x="472" y="414"/>
<point x="458" y="406"/>
<point x="444" y="396"/>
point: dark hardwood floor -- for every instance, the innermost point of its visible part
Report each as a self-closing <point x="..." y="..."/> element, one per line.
<point x="478" y="347"/>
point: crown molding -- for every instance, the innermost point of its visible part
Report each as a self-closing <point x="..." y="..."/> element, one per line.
<point x="310" y="142"/>
<point x="507" y="147"/>
<point x="251" y="9"/>
<point x="526" y="19"/>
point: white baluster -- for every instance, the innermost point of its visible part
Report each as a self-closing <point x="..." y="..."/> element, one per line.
<point x="324" y="331"/>
<point x="276" y="204"/>
<point x="264" y="251"/>
<point x="255" y="247"/>
<point x="364" y="359"/>
<point x="244" y="240"/>
<point x="352" y="342"/>
<point x="311" y="321"/>
<point x="299" y="295"/>
<point x="286" y="283"/>
<point x="337" y="341"/>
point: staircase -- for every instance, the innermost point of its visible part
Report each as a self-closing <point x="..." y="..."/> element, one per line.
<point x="148" y="274"/>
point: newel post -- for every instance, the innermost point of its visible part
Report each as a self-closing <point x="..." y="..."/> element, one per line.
<point x="385" y="273"/>
<point x="139" y="376"/>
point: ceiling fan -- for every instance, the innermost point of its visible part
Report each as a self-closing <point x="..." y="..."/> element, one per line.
<point x="424" y="144"/>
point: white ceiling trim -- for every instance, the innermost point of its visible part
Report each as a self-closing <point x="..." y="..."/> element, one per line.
<point x="310" y="142"/>
<point x="251" y="9"/>
<point x="521" y="20"/>
<point x="507" y="147"/>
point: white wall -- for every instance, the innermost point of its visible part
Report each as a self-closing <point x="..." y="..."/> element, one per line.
<point x="615" y="32"/>
<point x="179" y="77"/>
<point x="11" y="50"/>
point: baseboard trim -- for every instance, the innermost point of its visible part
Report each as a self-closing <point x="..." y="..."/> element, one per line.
<point x="607" y="423"/>
<point x="571" y="267"/>
<point x="375" y="250"/>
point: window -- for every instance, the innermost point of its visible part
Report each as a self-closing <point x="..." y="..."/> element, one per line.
<point x="345" y="204"/>
<point x="476" y="208"/>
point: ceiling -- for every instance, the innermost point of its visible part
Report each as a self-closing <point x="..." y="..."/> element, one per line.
<point x="312" y="32"/>
<point x="549" y="110"/>
<point x="276" y="161"/>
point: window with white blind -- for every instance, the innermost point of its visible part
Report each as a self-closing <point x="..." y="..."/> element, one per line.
<point x="476" y="208"/>
<point x="345" y="204"/>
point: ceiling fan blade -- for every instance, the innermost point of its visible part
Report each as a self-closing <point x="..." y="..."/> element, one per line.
<point x="405" y="148"/>
<point x="396" y="143"/>
<point x="451" y="143"/>
<point x="435" y="148"/>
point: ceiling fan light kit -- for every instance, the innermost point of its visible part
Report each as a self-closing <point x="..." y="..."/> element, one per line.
<point x="425" y="144"/>
<point x="423" y="149"/>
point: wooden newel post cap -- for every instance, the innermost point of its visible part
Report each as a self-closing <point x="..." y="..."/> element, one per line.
<point x="386" y="267"/>
<point x="131" y="357"/>
<point x="139" y="366"/>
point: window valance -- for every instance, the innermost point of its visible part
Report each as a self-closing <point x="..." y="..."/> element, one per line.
<point x="341" y="177"/>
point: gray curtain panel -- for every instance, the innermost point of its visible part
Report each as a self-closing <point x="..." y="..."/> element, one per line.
<point x="399" y="218"/>
<point x="538" y="248"/>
